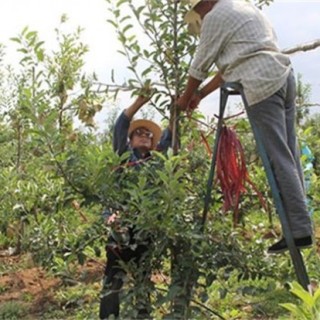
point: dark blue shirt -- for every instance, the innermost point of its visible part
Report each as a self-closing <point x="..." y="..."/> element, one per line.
<point x="121" y="145"/>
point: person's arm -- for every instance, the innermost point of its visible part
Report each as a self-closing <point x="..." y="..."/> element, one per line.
<point x="137" y="104"/>
<point x="120" y="132"/>
<point x="211" y="86"/>
<point x="165" y="140"/>
<point x="212" y="41"/>
<point x="191" y="88"/>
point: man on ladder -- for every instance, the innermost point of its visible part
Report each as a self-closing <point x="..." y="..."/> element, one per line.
<point x="240" y="41"/>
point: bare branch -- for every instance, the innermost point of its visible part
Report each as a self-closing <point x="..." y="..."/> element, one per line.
<point x="309" y="105"/>
<point x="103" y="87"/>
<point x="303" y="47"/>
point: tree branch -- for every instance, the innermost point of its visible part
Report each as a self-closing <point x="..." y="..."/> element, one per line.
<point x="303" y="47"/>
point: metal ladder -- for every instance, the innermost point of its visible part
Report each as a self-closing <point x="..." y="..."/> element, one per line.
<point x="234" y="88"/>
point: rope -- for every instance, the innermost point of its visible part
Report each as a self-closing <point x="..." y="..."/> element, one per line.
<point x="232" y="173"/>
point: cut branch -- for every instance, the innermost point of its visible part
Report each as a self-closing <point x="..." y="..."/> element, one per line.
<point x="303" y="47"/>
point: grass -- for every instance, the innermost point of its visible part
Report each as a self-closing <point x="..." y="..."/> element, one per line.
<point x="13" y="310"/>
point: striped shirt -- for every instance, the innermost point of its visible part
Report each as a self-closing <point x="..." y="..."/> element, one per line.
<point x="238" y="38"/>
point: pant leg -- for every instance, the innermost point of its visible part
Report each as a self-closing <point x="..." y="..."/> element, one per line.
<point x="112" y="284"/>
<point x="290" y="109"/>
<point x="109" y="302"/>
<point x="142" y="269"/>
<point x="274" y="118"/>
<point x="143" y="282"/>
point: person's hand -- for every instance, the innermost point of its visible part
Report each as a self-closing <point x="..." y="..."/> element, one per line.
<point x="145" y="94"/>
<point x="142" y="99"/>
<point x="112" y="220"/>
<point x="194" y="102"/>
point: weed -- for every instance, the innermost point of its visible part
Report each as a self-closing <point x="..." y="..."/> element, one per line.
<point x="13" y="310"/>
<point x="3" y="289"/>
<point x="309" y="307"/>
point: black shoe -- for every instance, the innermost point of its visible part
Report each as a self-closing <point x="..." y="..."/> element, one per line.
<point x="281" y="245"/>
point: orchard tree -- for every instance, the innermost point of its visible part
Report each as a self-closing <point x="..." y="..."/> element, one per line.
<point x="303" y="100"/>
<point x="58" y="179"/>
<point x="159" y="50"/>
<point x="39" y="101"/>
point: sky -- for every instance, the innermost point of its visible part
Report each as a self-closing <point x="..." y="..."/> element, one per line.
<point x="295" y="22"/>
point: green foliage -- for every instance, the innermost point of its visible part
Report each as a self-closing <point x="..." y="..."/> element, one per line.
<point x="162" y="64"/>
<point x="309" y="136"/>
<point x="309" y="307"/>
<point x="12" y="310"/>
<point x="3" y="289"/>
<point x="75" y="295"/>
<point x="56" y="180"/>
<point x="302" y="101"/>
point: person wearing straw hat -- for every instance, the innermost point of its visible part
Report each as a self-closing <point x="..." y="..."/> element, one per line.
<point x="237" y="38"/>
<point x="139" y="138"/>
<point x="144" y="135"/>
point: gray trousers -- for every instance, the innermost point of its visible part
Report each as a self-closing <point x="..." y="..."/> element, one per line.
<point x="275" y="117"/>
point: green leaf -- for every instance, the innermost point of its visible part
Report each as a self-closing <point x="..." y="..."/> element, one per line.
<point x="24" y="30"/>
<point x="290" y="307"/>
<point x="31" y="35"/>
<point x="116" y="13"/>
<point x="40" y="55"/>
<point x="301" y="293"/>
<point x="127" y="27"/>
<point x="15" y="40"/>
<point x="138" y="11"/>
<point x="122" y="52"/>
<point x="121" y="2"/>
<point x="125" y="18"/>
<point x="316" y="296"/>
<point x="23" y="50"/>
<point x="38" y="45"/>
<point x="112" y="23"/>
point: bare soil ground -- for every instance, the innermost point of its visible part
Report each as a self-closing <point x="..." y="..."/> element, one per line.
<point x="26" y="283"/>
<point x="33" y="286"/>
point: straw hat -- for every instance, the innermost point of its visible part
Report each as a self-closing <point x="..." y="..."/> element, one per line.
<point x="148" y="124"/>
<point x="193" y="19"/>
